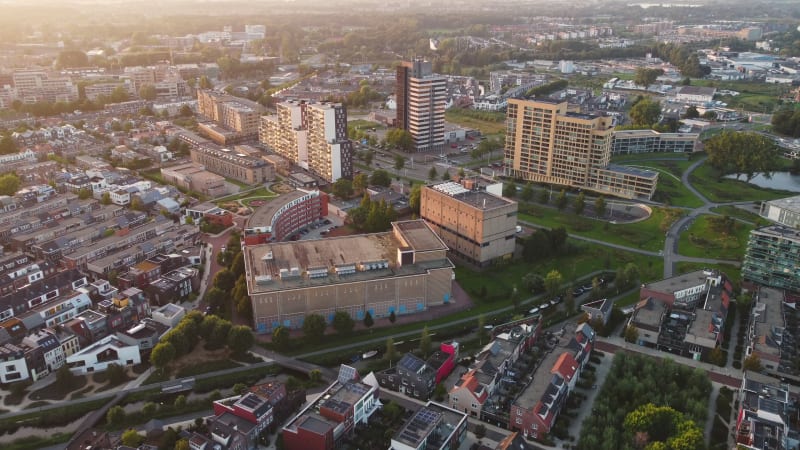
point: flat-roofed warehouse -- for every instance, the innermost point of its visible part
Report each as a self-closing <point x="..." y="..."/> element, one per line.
<point x="403" y="271"/>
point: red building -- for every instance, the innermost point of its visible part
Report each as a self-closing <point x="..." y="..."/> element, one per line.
<point x="223" y="218"/>
<point x="535" y="410"/>
<point x="285" y="215"/>
<point x="345" y="404"/>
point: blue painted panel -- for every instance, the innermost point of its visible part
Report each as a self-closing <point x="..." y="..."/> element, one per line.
<point x="402" y="309"/>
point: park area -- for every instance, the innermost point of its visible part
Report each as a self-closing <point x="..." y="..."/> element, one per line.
<point x="646" y="400"/>
<point x="718" y="237"/>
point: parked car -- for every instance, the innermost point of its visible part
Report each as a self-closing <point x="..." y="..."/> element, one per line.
<point x="326" y="222"/>
<point x="534" y="311"/>
<point x="578" y="291"/>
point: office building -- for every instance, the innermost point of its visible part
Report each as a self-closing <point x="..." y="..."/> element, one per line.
<point x="547" y="144"/>
<point x="773" y="258"/>
<point x="34" y="86"/>
<point x="233" y="113"/>
<point x="194" y="177"/>
<point x="626" y="142"/>
<point x="403" y="271"/>
<point x="311" y="135"/>
<point x="785" y="211"/>
<point x="421" y="98"/>
<point x="475" y="225"/>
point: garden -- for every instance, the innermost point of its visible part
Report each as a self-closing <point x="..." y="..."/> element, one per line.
<point x="640" y="391"/>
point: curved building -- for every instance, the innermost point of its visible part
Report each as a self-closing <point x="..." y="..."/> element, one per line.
<point x="281" y="217"/>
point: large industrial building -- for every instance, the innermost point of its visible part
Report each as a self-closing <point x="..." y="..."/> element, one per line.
<point x="545" y="143"/>
<point x="476" y="226"/>
<point x="773" y="258"/>
<point x="421" y="98"/>
<point x="231" y="164"/>
<point x="311" y="135"/>
<point x="403" y="271"/>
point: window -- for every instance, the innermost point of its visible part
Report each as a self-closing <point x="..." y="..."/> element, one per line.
<point x="534" y="426"/>
<point x="519" y="420"/>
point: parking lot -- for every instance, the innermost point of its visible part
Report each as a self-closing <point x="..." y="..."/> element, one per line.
<point x="318" y="229"/>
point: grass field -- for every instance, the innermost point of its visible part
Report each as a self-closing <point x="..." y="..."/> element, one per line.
<point x="647" y="234"/>
<point x="261" y="192"/>
<point x="702" y="241"/>
<point x="739" y="213"/>
<point x="727" y="190"/>
<point x="461" y="117"/>
<point x="365" y="124"/>
<point x="756" y="97"/>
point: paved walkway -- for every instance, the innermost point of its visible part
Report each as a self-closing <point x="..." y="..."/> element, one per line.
<point x="601" y="373"/>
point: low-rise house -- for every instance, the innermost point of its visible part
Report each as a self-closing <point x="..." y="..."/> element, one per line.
<point x="13" y="366"/>
<point x="535" y="410"/>
<point x="169" y="314"/>
<point x="416" y="377"/>
<point x="479" y="383"/>
<point x="343" y="406"/>
<point x="765" y="414"/>
<point x="51" y="349"/>
<point x="98" y="356"/>
<point x="598" y="310"/>
<point x="432" y="427"/>
<point x="146" y="334"/>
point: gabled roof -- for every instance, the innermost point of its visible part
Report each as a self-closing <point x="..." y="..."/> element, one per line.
<point x="566" y="366"/>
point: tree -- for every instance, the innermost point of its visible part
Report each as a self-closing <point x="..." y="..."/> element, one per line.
<point x="132" y="439"/>
<point x="136" y="203"/>
<point x="367" y="156"/>
<point x="401" y="139"/>
<point x="691" y="113"/>
<point x="533" y="282"/>
<point x="240" y="339"/>
<point x="115" y="415"/>
<point x="742" y="153"/>
<point x="162" y="354"/>
<point x="717" y="357"/>
<point x="580" y="203"/>
<point x="446" y="175"/>
<point x="343" y="188"/>
<point x="414" y="198"/>
<point x="432" y="173"/>
<point x="600" y="206"/>
<point x="85" y="194"/>
<point x="281" y="338"/>
<point x="544" y="197"/>
<point x="314" y="328"/>
<point x="392" y="317"/>
<point x="631" y="334"/>
<point x="343" y="323"/>
<point x="785" y="121"/>
<point x="753" y="363"/>
<point x="461" y="173"/>
<point x="224" y="280"/>
<point x="148" y="409"/>
<point x="686" y="82"/>
<point x="105" y="199"/>
<point x="480" y="431"/>
<point x="425" y="342"/>
<point x="561" y="200"/>
<point x="216" y="298"/>
<point x="64" y="376"/>
<point x="315" y="375"/>
<point x="399" y="163"/>
<point x="645" y="113"/>
<point x="239" y="388"/>
<point x="482" y="334"/>
<point x="392" y="410"/>
<point x="440" y="392"/>
<point x="510" y="190"/>
<point x="119" y="95"/>
<point x="391" y="352"/>
<point x="360" y="182"/>
<point x="552" y="282"/>
<point x="527" y="192"/>
<point x="180" y="401"/>
<point x="646" y="76"/>
<point x="205" y="83"/>
<point x="368" y="321"/>
<point x="71" y="58"/>
<point x="147" y="92"/>
<point x="380" y="178"/>
<point x="116" y="373"/>
<point x="569" y="301"/>
<point x="7" y="145"/>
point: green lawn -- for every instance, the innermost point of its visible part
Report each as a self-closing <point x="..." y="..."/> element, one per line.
<point x="705" y="180"/>
<point x="701" y="241"/>
<point x="250" y="192"/>
<point x="627" y="300"/>
<point x="656" y="158"/>
<point x="647" y="234"/>
<point x="753" y="96"/>
<point x="670" y="189"/>
<point x="365" y="124"/>
<point x="460" y="117"/>
<point x="739" y="213"/>
<point x="588" y="258"/>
